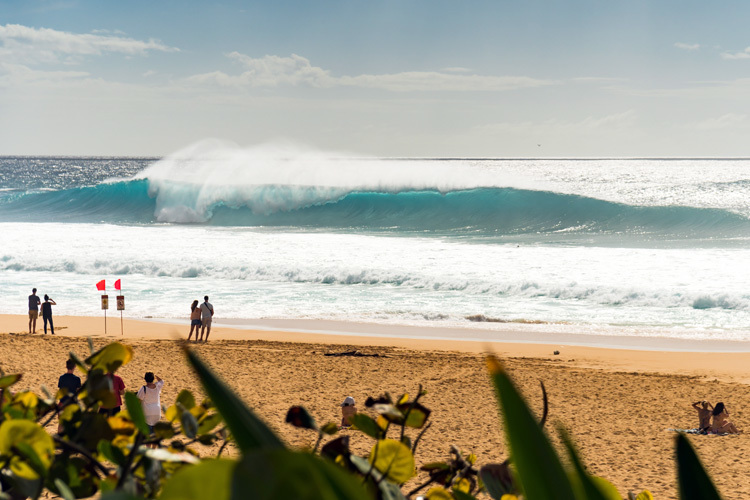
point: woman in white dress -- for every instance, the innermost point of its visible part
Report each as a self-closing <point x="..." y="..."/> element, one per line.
<point x="150" y="396"/>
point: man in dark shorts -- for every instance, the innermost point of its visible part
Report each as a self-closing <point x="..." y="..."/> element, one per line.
<point x="34" y="302"/>
<point x="72" y="384"/>
<point x="118" y="388"/>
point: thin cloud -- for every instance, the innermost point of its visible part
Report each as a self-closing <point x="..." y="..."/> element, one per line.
<point x="725" y="121"/>
<point x="33" y="45"/>
<point x="745" y="54"/>
<point x="275" y="71"/>
<point x="687" y="46"/>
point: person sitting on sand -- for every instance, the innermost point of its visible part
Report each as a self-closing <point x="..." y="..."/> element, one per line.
<point x="704" y="415"/>
<point x="348" y="410"/>
<point x="195" y="320"/>
<point x="721" y="423"/>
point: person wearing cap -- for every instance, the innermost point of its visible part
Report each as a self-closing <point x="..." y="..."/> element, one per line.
<point x="348" y="410"/>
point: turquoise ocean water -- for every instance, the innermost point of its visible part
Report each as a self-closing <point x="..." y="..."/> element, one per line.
<point x="637" y="247"/>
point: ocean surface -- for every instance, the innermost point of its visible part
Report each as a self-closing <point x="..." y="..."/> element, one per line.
<point x="618" y="247"/>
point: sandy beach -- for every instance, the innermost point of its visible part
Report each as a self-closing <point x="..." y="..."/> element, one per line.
<point x="619" y="404"/>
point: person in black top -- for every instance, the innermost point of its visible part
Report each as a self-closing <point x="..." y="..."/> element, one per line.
<point x="47" y="313"/>
<point x="70" y="383"/>
<point x="33" y="310"/>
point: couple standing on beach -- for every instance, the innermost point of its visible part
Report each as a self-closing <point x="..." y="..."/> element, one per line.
<point x="200" y="319"/>
<point x="34" y="303"/>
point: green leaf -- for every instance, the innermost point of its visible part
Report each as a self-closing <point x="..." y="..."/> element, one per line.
<point x="276" y="473"/>
<point x="135" y="410"/>
<point x="111" y="453"/>
<point x="330" y="428"/>
<point x="32" y="441"/>
<point x="78" y="362"/>
<point x="366" y="424"/>
<point x="388" y="490"/>
<point x="298" y="416"/>
<point x="694" y="482"/>
<point x="209" y="479"/>
<point x="417" y="417"/>
<point x="9" y="380"/>
<point x="591" y="488"/>
<point x="189" y="424"/>
<point x="164" y="430"/>
<point x="64" y="490"/>
<point x="394" y="459"/>
<point x="207" y="422"/>
<point x="248" y="430"/>
<point x="335" y="447"/>
<point x="497" y="479"/>
<point x="186" y="399"/>
<point x="111" y="357"/>
<point x="460" y="495"/>
<point x="540" y="472"/>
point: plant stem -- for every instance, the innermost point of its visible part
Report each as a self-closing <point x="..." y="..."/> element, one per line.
<point x="74" y="447"/>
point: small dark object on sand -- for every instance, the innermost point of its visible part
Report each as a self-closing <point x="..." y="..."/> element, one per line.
<point x="354" y="353"/>
<point x="556" y="353"/>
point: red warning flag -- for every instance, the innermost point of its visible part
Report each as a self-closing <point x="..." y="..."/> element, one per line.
<point x="100" y="285"/>
<point x="117" y="285"/>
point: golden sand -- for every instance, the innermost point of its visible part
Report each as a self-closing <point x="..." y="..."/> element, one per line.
<point x="619" y="405"/>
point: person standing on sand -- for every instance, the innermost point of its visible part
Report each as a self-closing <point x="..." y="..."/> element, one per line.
<point x="150" y="396"/>
<point x="33" y="310"/>
<point x="704" y="415"/>
<point x="195" y="320"/>
<point x="72" y="384"/>
<point x="118" y="389"/>
<point x="207" y="313"/>
<point x="47" y="313"/>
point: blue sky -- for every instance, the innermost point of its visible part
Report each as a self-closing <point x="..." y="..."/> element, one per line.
<point x="396" y="78"/>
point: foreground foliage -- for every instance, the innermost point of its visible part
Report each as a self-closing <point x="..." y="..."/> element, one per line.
<point x="117" y="458"/>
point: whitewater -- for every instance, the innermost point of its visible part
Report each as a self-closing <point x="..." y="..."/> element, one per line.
<point x="616" y="247"/>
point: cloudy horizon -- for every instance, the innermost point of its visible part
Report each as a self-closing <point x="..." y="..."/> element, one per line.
<point x="419" y="79"/>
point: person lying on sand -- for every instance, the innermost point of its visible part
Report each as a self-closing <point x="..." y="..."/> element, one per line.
<point x="704" y="415"/>
<point x="721" y="423"/>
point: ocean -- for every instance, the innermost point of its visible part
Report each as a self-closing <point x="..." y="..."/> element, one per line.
<point x="615" y="247"/>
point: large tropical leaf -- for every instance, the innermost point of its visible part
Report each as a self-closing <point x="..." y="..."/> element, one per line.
<point x="540" y="472"/>
<point x="248" y="430"/>
<point x="273" y="474"/>
<point x="694" y="481"/>
<point x="210" y="479"/>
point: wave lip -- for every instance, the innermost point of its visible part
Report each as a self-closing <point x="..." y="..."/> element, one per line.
<point x="489" y="212"/>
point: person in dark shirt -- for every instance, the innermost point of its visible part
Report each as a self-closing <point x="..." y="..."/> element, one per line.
<point x="33" y="310"/>
<point x="47" y="314"/>
<point x="70" y="383"/>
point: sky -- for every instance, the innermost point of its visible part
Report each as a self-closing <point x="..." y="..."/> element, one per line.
<point x="397" y="78"/>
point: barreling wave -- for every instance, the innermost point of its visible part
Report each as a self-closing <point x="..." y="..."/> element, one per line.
<point x="477" y="211"/>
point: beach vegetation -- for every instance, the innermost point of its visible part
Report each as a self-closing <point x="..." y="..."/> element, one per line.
<point x="118" y="458"/>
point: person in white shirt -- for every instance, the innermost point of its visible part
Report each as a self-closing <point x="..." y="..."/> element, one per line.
<point x="150" y="396"/>
<point x="207" y="312"/>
